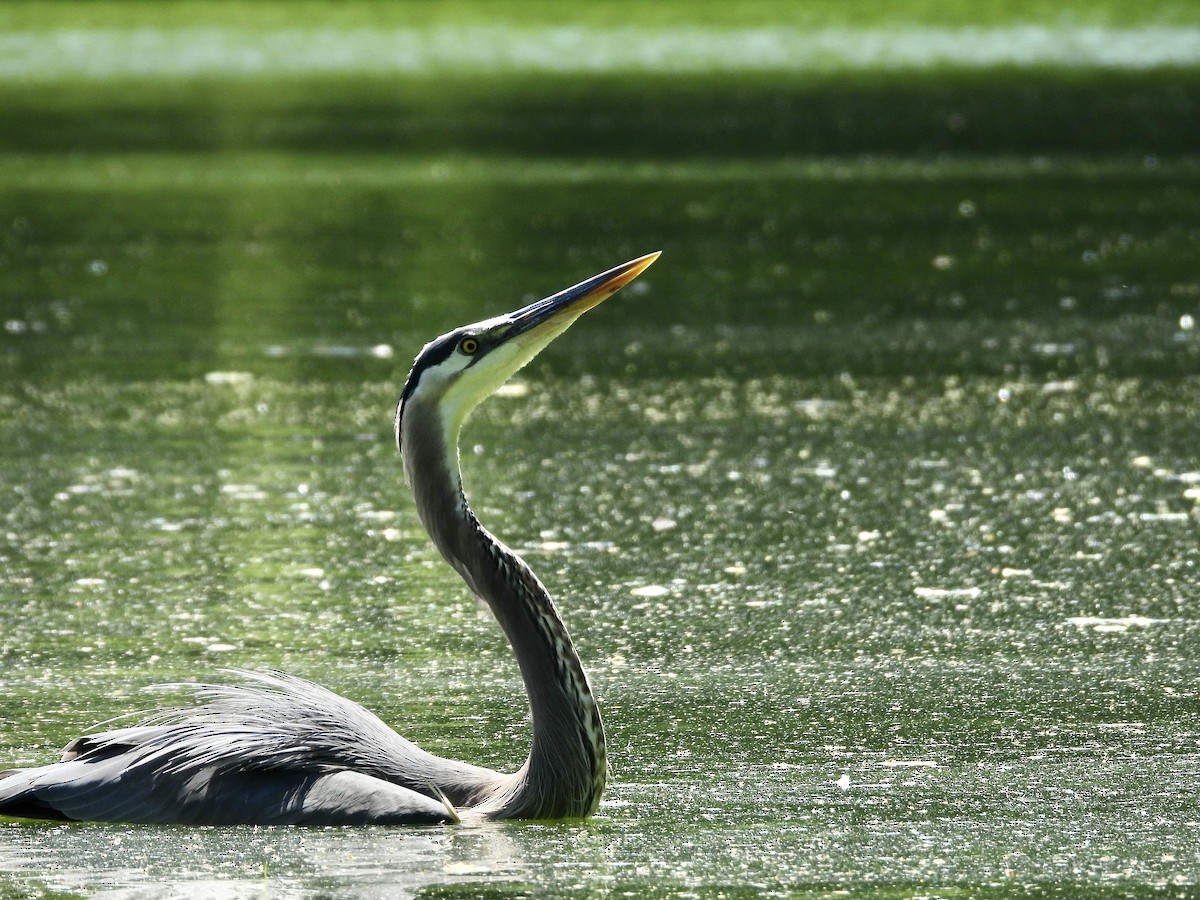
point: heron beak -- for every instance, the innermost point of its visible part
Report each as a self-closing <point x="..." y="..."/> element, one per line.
<point x="548" y="318"/>
<point x="510" y="341"/>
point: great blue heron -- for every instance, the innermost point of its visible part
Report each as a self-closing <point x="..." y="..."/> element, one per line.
<point x="280" y="750"/>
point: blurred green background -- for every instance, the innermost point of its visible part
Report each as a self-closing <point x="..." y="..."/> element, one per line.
<point x="342" y="171"/>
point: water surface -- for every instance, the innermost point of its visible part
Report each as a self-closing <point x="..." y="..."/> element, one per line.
<point x="872" y="506"/>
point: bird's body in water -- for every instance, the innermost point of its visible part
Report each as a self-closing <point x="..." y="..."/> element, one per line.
<point x="280" y="750"/>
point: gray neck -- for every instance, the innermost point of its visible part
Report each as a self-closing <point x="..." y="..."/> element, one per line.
<point x="566" y="769"/>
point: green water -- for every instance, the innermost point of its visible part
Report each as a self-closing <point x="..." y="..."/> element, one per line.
<point x="872" y="505"/>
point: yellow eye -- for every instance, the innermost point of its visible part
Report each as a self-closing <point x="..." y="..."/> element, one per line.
<point x="469" y="346"/>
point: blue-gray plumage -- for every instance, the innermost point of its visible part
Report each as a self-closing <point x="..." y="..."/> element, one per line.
<point x="278" y="750"/>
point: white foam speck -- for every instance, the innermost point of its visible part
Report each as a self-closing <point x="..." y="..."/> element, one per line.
<point x="1117" y="624"/>
<point x="931" y="593"/>
<point x="1165" y="517"/>
<point x="650" y="590"/>
<point x="228" y="377"/>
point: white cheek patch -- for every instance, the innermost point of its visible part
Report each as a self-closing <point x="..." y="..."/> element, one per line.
<point x="459" y="383"/>
<point x="462" y="394"/>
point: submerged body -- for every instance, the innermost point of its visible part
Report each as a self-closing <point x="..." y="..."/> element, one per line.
<point x="278" y="750"/>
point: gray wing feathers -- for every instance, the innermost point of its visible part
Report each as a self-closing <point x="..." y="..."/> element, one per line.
<point x="272" y="750"/>
<point x="322" y="727"/>
<point x="111" y="791"/>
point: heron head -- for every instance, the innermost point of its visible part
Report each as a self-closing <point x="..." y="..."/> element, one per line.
<point x="453" y="373"/>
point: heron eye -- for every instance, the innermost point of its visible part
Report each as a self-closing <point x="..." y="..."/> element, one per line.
<point x="469" y="346"/>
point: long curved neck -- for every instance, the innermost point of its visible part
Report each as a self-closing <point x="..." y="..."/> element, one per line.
<point x="567" y="766"/>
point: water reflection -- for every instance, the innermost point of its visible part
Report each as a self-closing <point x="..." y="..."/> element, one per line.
<point x="279" y="275"/>
<point x="276" y="862"/>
